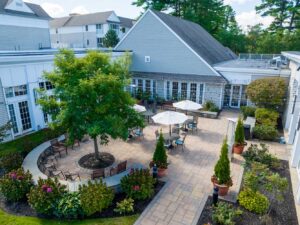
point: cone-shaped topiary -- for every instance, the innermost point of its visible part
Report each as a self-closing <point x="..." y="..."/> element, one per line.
<point x="239" y="137"/>
<point x="222" y="168"/>
<point x="160" y="156"/>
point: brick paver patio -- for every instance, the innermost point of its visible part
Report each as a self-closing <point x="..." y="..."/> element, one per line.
<point x="189" y="172"/>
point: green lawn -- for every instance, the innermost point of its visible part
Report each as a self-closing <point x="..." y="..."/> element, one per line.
<point x="8" y="219"/>
<point x="28" y="141"/>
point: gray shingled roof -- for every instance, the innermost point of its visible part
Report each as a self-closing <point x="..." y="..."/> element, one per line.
<point x="198" y="39"/>
<point x="39" y="12"/>
<point x="87" y="19"/>
<point x="185" y="77"/>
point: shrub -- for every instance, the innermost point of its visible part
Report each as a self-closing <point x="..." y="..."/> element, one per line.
<point x="225" y="214"/>
<point x="45" y="196"/>
<point x="253" y="201"/>
<point x="222" y="168"/>
<point x="239" y="137"/>
<point x="264" y="132"/>
<point x="11" y="161"/>
<point x="69" y="206"/>
<point x="160" y="156"/>
<point x="267" y="92"/>
<point x="248" y="111"/>
<point x="210" y="106"/>
<point x="95" y="197"/>
<point x="125" y="206"/>
<point x="266" y="117"/>
<point x="139" y="184"/>
<point x="260" y="154"/>
<point x="15" y="185"/>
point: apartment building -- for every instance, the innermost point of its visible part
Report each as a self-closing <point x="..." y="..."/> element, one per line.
<point x="88" y="30"/>
<point x="23" y="26"/>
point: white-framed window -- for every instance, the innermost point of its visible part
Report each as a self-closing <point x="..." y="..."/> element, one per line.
<point x="148" y="86"/>
<point x="183" y="91"/>
<point x="201" y="93"/>
<point x="147" y="59"/>
<point x="175" y="88"/>
<point x="46" y="85"/>
<point x="100" y="42"/>
<point x="15" y="91"/>
<point x="13" y="118"/>
<point x="88" y="42"/>
<point x="168" y="97"/>
<point x="193" y="92"/>
<point x="99" y="28"/>
<point x="25" y="116"/>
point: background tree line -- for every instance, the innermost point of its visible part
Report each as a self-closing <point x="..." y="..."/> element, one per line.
<point x="219" y="20"/>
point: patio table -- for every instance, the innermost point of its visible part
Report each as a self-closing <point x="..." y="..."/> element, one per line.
<point x="148" y="114"/>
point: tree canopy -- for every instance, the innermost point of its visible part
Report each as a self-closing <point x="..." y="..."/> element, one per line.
<point x="110" y="39"/>
<point x="89" y="96"/>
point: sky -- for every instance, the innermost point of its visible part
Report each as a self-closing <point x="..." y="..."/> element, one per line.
<point x="245" y="9"/>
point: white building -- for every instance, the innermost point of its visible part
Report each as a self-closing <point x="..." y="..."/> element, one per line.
<point x="88" y="30"/>
<point x="23" y="26"/>
<point x="21" y="74"/>
<point x="292" y="123"/>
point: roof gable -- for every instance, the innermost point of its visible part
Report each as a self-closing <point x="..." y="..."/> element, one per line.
<point x="197" y="38"/>
<point x="20" y="8"/>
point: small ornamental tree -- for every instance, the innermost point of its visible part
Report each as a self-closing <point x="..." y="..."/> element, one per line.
<point x="110" y="39"/>
<point x="222" y="168"/>
<point x="160" y="156"/>
<point x="239" y="137"/>
<point x="267" y="92"/>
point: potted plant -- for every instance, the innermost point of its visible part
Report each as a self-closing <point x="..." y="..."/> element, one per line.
<point x="239" y="138"/>
<point x="160" y="157"/>
<point x="222" y="178"/>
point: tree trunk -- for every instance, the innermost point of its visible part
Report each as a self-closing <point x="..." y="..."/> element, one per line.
<point x="97" y="154"/>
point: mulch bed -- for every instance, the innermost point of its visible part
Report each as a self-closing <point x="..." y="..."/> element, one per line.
<point x="23" y="209"/>
<point x="90" y="161"/>
<point x="283" y="213"/>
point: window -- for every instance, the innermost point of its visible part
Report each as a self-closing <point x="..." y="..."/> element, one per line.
<point x="201" y="93"/>
<point x="99" y="42"/>
<point x="56" y="30"/>
<point x="13" y="118"/>
<point x="183" y="91"/>
<point x="114" y="26"/>
<point x="148" y="86"/>
<point x="45" y="117"/>
<point x="168" y="91"/>
<point x="20" y="90"/>
<point x="57" y="42"/>
<point x="175" y="90"/>
<point x="42" y="85"/>
<point x="86" y="27"/>
<point x="147" y="59"/>
<point x="49" y="85"/>
<point x="140" y="85"/>
<point x="15" y="91"/>
<point x="9" y="92"/>
<point x="98" y="27"/>
<point x="154" y="88"/>
<point x="227" y="94"/>
<point x="193" y="92"/>
<point x="88" y="42"/>
<point x="25" y="116"/>
<point x="244" y="96"/>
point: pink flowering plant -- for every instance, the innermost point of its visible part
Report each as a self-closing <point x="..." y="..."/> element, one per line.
<point x="15" y="185"/>
<point x="45" y="195"/>
<point x="138" y="184"/>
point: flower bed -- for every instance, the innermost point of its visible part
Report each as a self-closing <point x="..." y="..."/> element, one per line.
<point x="283" y="213"/>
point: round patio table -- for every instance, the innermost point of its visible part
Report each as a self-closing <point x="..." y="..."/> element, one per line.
<point x="148" y="114"/>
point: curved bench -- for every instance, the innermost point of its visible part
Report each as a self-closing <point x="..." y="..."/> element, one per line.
<point x="31" y="163"/>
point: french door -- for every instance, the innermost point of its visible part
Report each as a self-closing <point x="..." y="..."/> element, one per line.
<point x="20" y="117"/>
<point x="235" y="96"/>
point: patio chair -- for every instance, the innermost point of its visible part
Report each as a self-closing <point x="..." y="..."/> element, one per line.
<point x="71" y="176"/>
<point x="97" y="173"/>
<point x="76" y="141"/>
<point x="192" y="126"/>
<point x="58" y="147"/>
<point x="138" y="133"/>
<point x="122" y="166"/>
<point x="181" y="141"/>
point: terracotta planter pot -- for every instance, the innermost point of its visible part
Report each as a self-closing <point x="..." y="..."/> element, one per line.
<point x="238" y="149"/>
<point x="223" y="188"/>
<point x="161" y="172"/>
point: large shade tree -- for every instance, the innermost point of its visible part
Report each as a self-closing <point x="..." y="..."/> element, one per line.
<point x="89" y="97"/>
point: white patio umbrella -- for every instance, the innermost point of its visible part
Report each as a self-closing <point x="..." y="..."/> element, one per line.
<point x="169" y="118"/>
<point x="139" y="108"/>
<point x="187" y="105"/>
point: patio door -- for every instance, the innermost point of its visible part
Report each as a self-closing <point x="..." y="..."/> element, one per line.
<point x="235" y="96"/>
